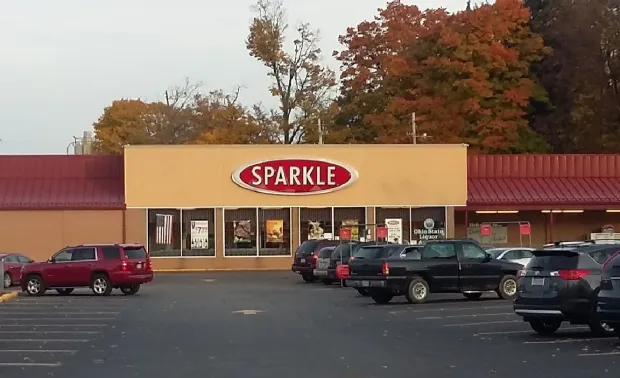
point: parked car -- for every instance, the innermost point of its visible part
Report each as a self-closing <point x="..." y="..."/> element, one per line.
<point x="608" y="306"/>
<point x="322" y="263"/>
<point x="102" y="267"/>
<point x="561" y="285"/>
<point x="446" y="266"/>
<point x="307" y="255"/>
<point x="13" y="264"/>
<point x="520" y="255"/>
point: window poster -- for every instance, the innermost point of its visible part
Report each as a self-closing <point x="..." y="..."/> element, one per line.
<point x="394" y="230"/>
<point x="315" y="230"/>
<point x="355" y="232"/>
<point x="199" y="234"/>
<point x="275" y="230"/>
<point x="242" y="231"/>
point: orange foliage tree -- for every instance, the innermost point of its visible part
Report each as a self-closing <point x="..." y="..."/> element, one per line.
<point x="465" y="75"/>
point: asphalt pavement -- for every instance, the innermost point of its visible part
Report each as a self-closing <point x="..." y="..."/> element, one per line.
<point x="271" y="324"/>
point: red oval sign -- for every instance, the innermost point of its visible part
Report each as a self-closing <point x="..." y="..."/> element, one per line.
<point x="295" y="176"/>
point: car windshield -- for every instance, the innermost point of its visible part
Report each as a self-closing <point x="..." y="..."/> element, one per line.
<point x="326" y="252"/>
<point x="306" y="248"/>
<point x="495" y="252"/>
<point x="135" y="253"/>
<point x="343" y="250"/>
<point x="370" y="252"/>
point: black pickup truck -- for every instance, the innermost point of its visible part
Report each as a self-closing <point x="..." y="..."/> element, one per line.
<point x="443" y="266"/>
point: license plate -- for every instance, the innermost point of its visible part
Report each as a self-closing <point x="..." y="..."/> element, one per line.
<point x="538" y="281"/>
<point x="302" y="261"/>
<point x="365" y="283"/>
<point x="139" y="266"/>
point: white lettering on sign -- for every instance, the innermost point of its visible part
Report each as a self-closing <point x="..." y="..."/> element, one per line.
<point x="293" y="176"/>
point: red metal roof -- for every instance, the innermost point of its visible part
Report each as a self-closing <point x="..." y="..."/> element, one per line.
<point x="543" y="181"/>
<point x="61" y="182"/>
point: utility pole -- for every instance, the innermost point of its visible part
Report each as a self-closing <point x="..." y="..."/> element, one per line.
<point x="415" y="137"/>
<point x="320" y="132"/>
<point x="167" y="99"/>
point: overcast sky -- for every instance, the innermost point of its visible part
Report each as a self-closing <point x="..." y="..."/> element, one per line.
<point x="63" y="61"/>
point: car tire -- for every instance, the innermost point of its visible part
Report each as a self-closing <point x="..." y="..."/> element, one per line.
<point x="7" y="280"/>
<point x="308" y="277"/>
<point x="327" y="282"/>
<point x="130" y="290"/>
<point x="472" y="296"/>
<point x="35" y="287"/>
<point x="343" y="283"/>
<point x="100" y="284"/>
<point x="507" y="288"/>
<point x="64" y="291"/>
<point x="382" y="297"/>
<point x="363" y="292"/>
<point x="545" y="327"/>
<point x="417" y="291"/>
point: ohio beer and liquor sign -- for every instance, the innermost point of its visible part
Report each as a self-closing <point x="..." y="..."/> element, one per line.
<point x="295" y="177"/>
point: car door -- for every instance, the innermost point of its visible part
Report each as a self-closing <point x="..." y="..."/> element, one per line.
<point x="55" y="273"/>
<point x="82" y="264"/>
<point x="13" y="267"/>
<point x="442" y="265"/>
<point x="477" y="272"/>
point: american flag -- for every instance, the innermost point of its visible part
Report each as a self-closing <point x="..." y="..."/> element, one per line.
<point x="163" y="229"/>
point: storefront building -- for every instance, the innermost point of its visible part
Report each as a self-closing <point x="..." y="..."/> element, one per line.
<point x="558" y="197"/>
<point x="249" y="207"/>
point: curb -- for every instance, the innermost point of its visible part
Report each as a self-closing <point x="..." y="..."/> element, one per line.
<point x="217" y="270"/>
<point x="8" y="296"/>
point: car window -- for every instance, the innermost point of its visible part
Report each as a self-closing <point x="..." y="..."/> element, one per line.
<point x="412" y="253"/>
<point x="326" y="252"/>
<point x="612" y="267"/>
<point x="11" y="259"/>
<point x="472" y="251"/>
<point x="24" y="259"/>
<point x="512" y="255"/>
<point x="307" y="248"/>
<point x="370" y="252"/>
<point x="64" y="255"/>
<point x="83" y="254"/>
<point x="495" y="252"/>
<point x="554" y="260"/>
<point x="526" y="254"/>
<point x="111" y="253"/>
<point x="439" y="251"/>
<point x="602" y="255"/>
<point x="135" y="253"/>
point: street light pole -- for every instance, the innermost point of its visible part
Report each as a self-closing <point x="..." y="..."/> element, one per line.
<point x="415" y="137"/>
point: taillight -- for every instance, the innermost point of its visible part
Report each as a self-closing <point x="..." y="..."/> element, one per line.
<point x="149" y="266"/>
<point x="573" y="274"/>
<point x="315" y="257"/>
<point x="124" y="265"/>
<point x="385" y="268"/>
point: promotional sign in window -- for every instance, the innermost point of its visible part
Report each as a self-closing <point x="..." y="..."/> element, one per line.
<point x="394" y="230"/>
<point x="199" y="234"/>
<point x="275" y="230"/>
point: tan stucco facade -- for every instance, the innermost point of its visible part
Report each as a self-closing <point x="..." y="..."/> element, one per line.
<point x="192" y="177"/>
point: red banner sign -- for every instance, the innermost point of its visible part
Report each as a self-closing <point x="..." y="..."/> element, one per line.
<point x="345" y="233"/>
<point x="525" y="229"/>
<point x="486" y="230"/>
<point x="382" y="232"/>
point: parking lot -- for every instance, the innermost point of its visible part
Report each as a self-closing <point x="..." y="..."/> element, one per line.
<point x="274" y="325"/>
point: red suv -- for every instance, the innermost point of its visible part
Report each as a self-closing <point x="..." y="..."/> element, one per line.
<point x="102" y="267"/>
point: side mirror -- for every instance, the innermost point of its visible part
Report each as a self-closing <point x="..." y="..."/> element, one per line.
<point x="51" y="260"/>
<point x="487" y="258"/>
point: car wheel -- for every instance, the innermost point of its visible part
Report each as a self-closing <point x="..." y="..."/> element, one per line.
<point x="363" y="292"/>
<point x="472" y="296"/>
<point x="130" y="290"/>
<point x="35" y="286"/>
<point x="101" y="285"/>
<point x="417" y="291"/>
<point x="8" y="280"/>
<point x="327" y="282"/>
<point x="545" y="327"/>
<point x="308" y="277"/>
<point x="507" y="287"/>
<point x="64" y="291"/>
<point x="382" y="297"/>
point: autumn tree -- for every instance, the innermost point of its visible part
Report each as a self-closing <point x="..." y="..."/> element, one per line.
<point x="465" y="75"/>
<point x="300" y="82"/>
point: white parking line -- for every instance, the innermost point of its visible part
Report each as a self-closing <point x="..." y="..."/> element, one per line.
<point x="482" y="323"/>
<point x="599" y="354"/>
<point x="44" y="340"/>
<point x="46" y="312"/>
<point x="51" y="325"/>
<point x="526" y="331"/>
<point x="52" y="332"/>
<point x="562" y="341"/>
<point x="25" y="351"/>
<point x="441" y="309"/>
<point x="27" y="364"/>
<point x="464" y="316"/>
<point x="48" y="319"/>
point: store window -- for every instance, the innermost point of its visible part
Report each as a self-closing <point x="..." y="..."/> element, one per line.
<point x="164" y="232"/>
<point x="198" y="232"/>
<point x="428" y="223"/>
<point x="353" y="217"/>
<point x="275" y="232"/>
<point x="240" y="232"/>
<point x="315" y="223"/>
<point x="397" y="221"/>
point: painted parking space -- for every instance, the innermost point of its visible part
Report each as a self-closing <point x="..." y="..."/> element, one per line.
<point x="48" y="332"/>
